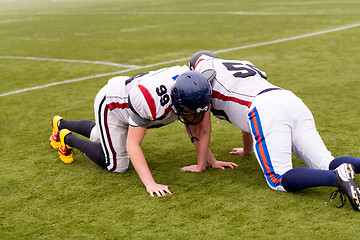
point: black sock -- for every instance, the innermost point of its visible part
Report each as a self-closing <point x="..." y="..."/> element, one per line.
<point x="304" y="177"/>
<point x="346" y="159"/>
<point x="92" y="150"/>
<point x="82" y="127"/>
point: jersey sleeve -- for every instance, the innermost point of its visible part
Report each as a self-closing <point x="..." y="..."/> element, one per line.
<point x="151" y="96"/>
<point x="205" y="66"/>
<point x="137" y="121"/>
<point x="142" y="102"/>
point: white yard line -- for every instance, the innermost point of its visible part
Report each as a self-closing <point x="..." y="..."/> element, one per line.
<point x="69" y="60"/>
<point x="291" y="38"/>
<point x="180" y="13"/>
<point x="132" y="67"/>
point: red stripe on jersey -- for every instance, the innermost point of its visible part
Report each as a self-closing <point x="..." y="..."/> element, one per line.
<point x="198" y="62"/>
<point x="149" y="99"/>
<point x="115" y="105"/>
<point x="218" y="95"/>
<point x="167" y="110"/>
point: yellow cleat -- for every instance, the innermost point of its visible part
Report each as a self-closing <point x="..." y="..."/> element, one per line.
<point x="54" y="138"/>
<point x="65" y="151"/>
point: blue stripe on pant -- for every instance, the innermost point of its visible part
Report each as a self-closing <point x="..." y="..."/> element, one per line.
<point x="261" y="148"/>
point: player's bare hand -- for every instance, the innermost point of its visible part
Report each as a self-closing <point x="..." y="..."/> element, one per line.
<point x="222" y="165"/>
<point x="240" y="151"/>
<point x="192" y="168"/>
<point x="158" y="189"/>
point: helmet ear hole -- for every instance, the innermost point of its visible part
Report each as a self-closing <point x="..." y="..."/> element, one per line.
<point x="210" y="74"/>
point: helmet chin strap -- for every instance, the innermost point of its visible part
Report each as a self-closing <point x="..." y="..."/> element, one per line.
<point x="193" y="139"/>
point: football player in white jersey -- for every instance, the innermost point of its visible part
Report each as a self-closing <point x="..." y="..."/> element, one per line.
<point x="275" y="123"/>
<point x="124" y="109"/>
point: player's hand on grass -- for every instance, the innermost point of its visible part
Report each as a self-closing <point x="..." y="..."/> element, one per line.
<point x="240" y="151"/>
<point x="193" y="168"/>
<point x="158" y="189"/>
<point x="222" y="165"/>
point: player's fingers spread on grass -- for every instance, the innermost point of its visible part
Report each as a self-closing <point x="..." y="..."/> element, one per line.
<point x="152" y="188"/>
<point x="163" y="191"/>
<point x="229" y="165"/>
<point x="232" y="165"/>
<point x="218" y="165"/>
<point x="222" y="165"/>
<point x="159" y="190"/>
<point x="156" y="192"/>
<point x="166" y="189"/>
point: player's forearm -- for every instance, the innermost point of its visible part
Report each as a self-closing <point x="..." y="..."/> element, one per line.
<point x="203" y="147"/>
<point x="204" y="153"/>
<point x="139" y="162"/>
<point x="202" y="156"/>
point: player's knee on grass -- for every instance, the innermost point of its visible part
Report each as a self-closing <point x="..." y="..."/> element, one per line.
<point x="121" y="165"/>
<point x="120" y="170"/>
<point x="277" y="188"/>
<point x="275" y="181"/>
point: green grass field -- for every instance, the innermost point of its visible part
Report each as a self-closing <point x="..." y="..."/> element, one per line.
<point x="42" y="198"/>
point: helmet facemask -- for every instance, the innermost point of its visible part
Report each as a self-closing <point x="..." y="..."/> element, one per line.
<point x="189" y="116"/>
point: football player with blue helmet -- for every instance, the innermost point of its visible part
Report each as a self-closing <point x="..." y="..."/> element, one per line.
<point x="191" y="97"/>
<point x="125" y="108"/>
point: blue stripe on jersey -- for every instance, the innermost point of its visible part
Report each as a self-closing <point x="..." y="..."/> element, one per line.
<point x="175" y="77"/>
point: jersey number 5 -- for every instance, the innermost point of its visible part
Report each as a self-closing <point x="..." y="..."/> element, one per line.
<point x="243" y="70"/>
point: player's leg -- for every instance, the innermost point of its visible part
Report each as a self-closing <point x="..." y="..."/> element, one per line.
<point x="273" y="123"/>
<point x="272" y="139"/>
<point x="112" y="134"/>
<point x="107" y="145"/>
<point x="91" y="149"/>
<point x="304" y="177"/>
<point x="346" y="159"/>
<point x="273" y="151"/>
<point x="82" y="127"/>
<point x="63" y="139"/>
<point x="342" y="177"/>
<point x="310" y="148"/>
<point x="307" y="143"/>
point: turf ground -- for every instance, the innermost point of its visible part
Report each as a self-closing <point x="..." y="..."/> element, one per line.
<point x="56" y="55"/>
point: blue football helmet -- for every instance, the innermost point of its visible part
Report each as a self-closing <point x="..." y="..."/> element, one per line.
<point x="191" y="96"/>
<point x="196" y="56"/>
